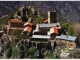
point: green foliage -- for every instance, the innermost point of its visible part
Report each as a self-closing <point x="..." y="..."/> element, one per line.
<point x="29" y="12"/>
<point x="8" y="52"/>
<point x="19" y="43"/>
<point x="7" y="49"/>
<point x="16" y="32"/>
<point x="21" y="50"/>
<point x="24" y="11"/>
<point x="26" y="51"/>
<point x="65" y="25"/>
<point x="70" y="50"/>
<point x="70" y="30"/>
<point x="12" y="44"/>
<point x="14" y="52"/>
<point x="19" y="13"/>
<point x="21" y="47"/>
<point x="7" y="45"/>
<point x="32" y="50"/>
<point x="0" y="27"/>
<point x="33" y="57"/>
<point x="37" y="20"/>
<point x="24" y="18"/>
<point x="50" y="55"/>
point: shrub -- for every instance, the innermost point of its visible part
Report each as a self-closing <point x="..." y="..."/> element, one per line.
<point x="7" y="45"/>
<point x="14" y="53"/>
<point x="16" y="32"/>
<point x="65" y="25"/>
<point x="50" y="55"/>
<point x="8" y="52"/>
<point x="19" y="13"/>
<point x="70" y="30"/>
<point x="32" y="50"/>
<point x="24" y="18"/>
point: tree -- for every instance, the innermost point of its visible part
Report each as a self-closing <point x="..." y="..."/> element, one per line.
<point x="24" y="18"/>
<point x="70" y="30"/>
<point x="8" y="52"/>
<point x="21" y="47"/>
<point x="50" y="55"/>
<point x="25" y="51"/>
<point x="29" y="12"/>
<point x="14" y="53"/>
<point x="7" y="45"/>
<point x="19" y="13"/>
<point x="19" y="43"/>
<point x="37" y="20"/>
<point x="32" y="50"/>
<point x="21" y="50"/>
<point x="24" y="11"/>
<point x="65" y="25"/>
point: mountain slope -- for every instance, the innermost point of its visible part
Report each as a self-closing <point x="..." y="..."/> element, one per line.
<point x="7" y="7"/>
<point x="68" y="11"/>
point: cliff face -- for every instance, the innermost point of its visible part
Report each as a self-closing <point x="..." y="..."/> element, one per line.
<point x="69" y="11"/>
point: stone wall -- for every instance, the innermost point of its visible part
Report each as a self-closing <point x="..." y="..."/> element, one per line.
<point x="66" y="43"/>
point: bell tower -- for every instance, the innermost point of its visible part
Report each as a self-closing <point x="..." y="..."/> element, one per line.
<point x="52" y="17"/>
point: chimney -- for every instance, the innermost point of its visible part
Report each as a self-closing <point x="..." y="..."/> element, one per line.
<point x="67" y="36"/>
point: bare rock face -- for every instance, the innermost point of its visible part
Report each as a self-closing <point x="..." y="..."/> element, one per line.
<point x="4" y="56"/>
<point x="1" y="48"/>
<point x="68" y="11"/>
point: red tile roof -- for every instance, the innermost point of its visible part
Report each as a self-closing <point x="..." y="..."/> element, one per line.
<point x="28" y="23"/>
<point x="54" y="30"/>
<point x="45" y="21"/>
<point x="28" y="29"/>
<point x="15" y="21"/>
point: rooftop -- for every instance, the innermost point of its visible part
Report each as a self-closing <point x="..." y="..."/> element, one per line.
<point x="41" y="36"/>
<point x="48" y="25"/>
<point x="45" y="21"/>
<point x="28" y="29"/>
<point x="65" y="37"/>
<point x="15" y="21"/>
<point x="54" y="30"/>
<point x="28" y="23"/>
